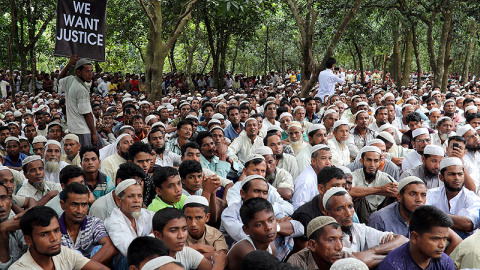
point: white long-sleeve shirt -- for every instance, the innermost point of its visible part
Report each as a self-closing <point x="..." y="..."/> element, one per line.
<point x="326" y="82"/>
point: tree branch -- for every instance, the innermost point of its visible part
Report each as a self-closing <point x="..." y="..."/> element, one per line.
<point x="148" y="14"/>
<point x="181" y="22"/>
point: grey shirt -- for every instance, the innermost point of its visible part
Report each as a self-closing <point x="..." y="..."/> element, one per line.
<point x="390" y="168"/>
<point x="418" y="171"/>
<point x="388" y="219"/>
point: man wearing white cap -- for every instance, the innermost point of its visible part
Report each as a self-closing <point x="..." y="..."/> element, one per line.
<point x="329" y="119"/>
<point x="317" y="134"/>
<point x="420" y="139"/>
<point x="361" y="134"/>
<point x="111" y="164"/>
<point x="128" y="220"/>
<point x="370" y="186"/>
<point x="371" y="244"/>
<point x="295" y="137"/>
<point x="53" y="164"/>
<point x="456" y="148"/>
<point x="71" y="144"/>
<point x="472" y="143"/>
<point x="444" y="130"/>
<point x="244" y="144"/>
<point x="453" y="198"/>
<point x="337" y="144"/>
<point x="429" y="170"/>
<point x="306" y="184"/>
<point x="36" y="187"/>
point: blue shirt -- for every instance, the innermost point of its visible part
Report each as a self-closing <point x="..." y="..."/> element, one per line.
<point x="230" y="132"/>
<point x="388" y="219"/>
<point x="400" y="259"/>
<point x="18" y="163"/>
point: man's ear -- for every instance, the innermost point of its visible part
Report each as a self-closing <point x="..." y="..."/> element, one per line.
<point x="245" y="230"/>
<point x="158" y="191"/>
<point x="321" y="189"/>
<point x="313" y="245"/>
<point x="423" y="159"/>
<point x="28" y="240"/>
<point x="242" y="193"/>
<point x="207" y="217"/>
<point x="157" y="234"/>
<point x="62" y="204"/>
<point x="441" y="177"/>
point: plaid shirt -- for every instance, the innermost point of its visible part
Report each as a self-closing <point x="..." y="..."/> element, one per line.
<point x="173" y="146"/>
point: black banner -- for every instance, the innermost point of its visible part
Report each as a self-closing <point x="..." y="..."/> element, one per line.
<point x="81" y="28"/>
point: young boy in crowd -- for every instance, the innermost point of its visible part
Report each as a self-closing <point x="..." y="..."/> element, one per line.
<point x="202" y="237"/>
<point x="168" y="188"/>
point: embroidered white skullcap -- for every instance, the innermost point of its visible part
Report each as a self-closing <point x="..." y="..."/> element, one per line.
<point x="156" y="124"/>
<point x="471" y="107"/>
<point x="183" y="104"/>
<point x="359" y="112"/>
<point x="434" y="150"/>
<point x="349" y="264"/>
<point x="124" y="185"/>
<point x="410" y="98"/>
<point x="419" y="131"/>
<point x="443" y="118"/>
<point x="31" y="159"/>
<point x="318" y="147"/>
<point x="119" y="138"/>
<point x="274" y="127"/>
<point x="344" y="169"/>
<point x="194" y="117"/>
<point x="408" y="180"/>
<point x="370" y="148"/>
<point x="148" y="118"/>
<point x="218" y="116"/>
<point x="362" y="103"/>
<point x="316" y="127"/>
<point x="375" y="141"/>
<point x="295" y="124"/>
<point x="340" y="122"/>
<point x="385" y="126"/>
<point x="17" y="114"/>
<point x="448" y="100"/>
<point x="250" y="119"/>
<point x="406" y="105"/>
<point x="389" y="94"/>
<point x="195" y="199"/>
<point x="285" y="114"/>
<point x="464" y="129"/>
<point x="332" y="191"/>
<point x="263" y="150"/>
<point x="387" y="136"/>
<point x="434" y="110"/>
<point x="71" y="136"/>
<point x="16" y="124"/>
<point x="216" y="121"/>
<point x="435" y="92"/>
<point x="298" y="108"/>
<point x="158" y="262"/>
<point x="52" y="142"/>
<point x="250" y="178"/>
<point x="318" y="223"/>
<point x="144" y="102"/>
<point x="11" y="138"/>
<point x="252" y="157"/>
<point x="356" y="96"/>
<point x="39" y="139"/>
<point x="267" y="103"/>
<point x="327" y="112"/>
<point x="22" y="138"/>
<point x="451" y="161"/>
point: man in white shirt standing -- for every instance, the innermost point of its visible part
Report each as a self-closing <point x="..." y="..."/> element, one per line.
<point x="327" y="79"/>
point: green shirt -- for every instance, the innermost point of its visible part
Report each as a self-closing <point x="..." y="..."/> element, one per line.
<point x="158" y="204"/>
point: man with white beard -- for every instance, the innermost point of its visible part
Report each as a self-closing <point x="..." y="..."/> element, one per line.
<point x="119" y="226"/>
<point x="36" y="187"/>
<point x="53" y="165"/>
<point x="295" y="137"/>
<point x="444" y="127"/>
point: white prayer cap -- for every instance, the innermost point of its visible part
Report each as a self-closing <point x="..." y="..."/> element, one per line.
<point x="218" y="116"/>
<point x="196" y="199"/>
<point x="348" y="264"/>
<point x="295" y="124"/>
<point x="434" y="110"/>
<point x="375" y="141"/>
<point x="406" y="105"/>
<point x="410" y="98"/>
<point x="183" y="104"/>
<point x="3" y="168"/>
<point x="370" y="149"/>
<point x="11" y="138"/>
<point x="267" y="103"/>
<point x="318" y="223"/>
<point x="161" y="107"/>
<point x="216" y="121"/>
<point x="319" y="147"/>
<point x="443" y="118"/>
<point x="148" y="118"/>
<point x="158" y="262"/>
<point x="362" y="103"/>
<point x="316" y="127"/>
<point x="471" y="107"/>
<point x="274" y="127"/>
<point x="252" y="157"/>
<point x="464" y="129"/>
<point x="451" y="161"/>
<point x="31" y="159"/>
<point x="39" y="139"/>
<point x="298" y="108"/>
<point x="340" y="123"/>
<point x="389" y="94"/>
<point x="16" y="124"/>
<point x="22" y="138"/>
<point x="52" y="142"/>
<point x="385" y="126"/>
<point x="356" y="96"/>
<point x="419" y="131"/>
<point x="249" y="119"/>
<point x="359" y="112"/>
<point x="387" y="136"/>
<point x="408" y="180"/>
<point x="250" y="178"/>
<point x="119" y="138"/>
<point x="332" y="191"/>
<point x="434" y="150"/>
<point x="435" y="92"/>
<point x="263" y="150"/>
<point x="285" y="114"/>
<point x="156" y="124"/>
<point x="448" y="100"/>
<point x="71" y="136"/>
<point x="124" y="185"/>
<point x="17" y="114"/>
<point x="194" y="117"/>
<point x="344" y="169"/>
<point x="327" y="112"/>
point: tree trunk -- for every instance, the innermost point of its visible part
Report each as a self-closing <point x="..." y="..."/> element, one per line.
<point x="234" y="60"/>
<point x="171" y="56"/>
<point x="417" y="57"/>
<point x="360" y="61"/>
<point x="384" y="68"/>
<point x="407" y="67"/>
<point x="466" y="63"/>
<point x="355" y="66"/>
<point x="447" y="60"/>
<point x="396" y="60"/>
<point x="447" y="24"/>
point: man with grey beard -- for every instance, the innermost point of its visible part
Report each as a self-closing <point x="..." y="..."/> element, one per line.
<point x="36" y="187"/>
<point x="53" y="165"/>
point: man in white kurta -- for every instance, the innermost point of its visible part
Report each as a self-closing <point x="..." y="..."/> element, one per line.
<point x="36" y="187"/>
<point x="337" y="144"/>
<point x="420" y="138"/>
<point x="246" y="142"/>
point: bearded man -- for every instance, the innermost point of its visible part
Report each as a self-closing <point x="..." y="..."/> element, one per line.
<point x="111" y="164"/>
<point x="53" y="165"/>
<point x="295" y="137"/>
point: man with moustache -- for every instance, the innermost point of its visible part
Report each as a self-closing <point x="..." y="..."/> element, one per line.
<point x="337" y="144"/>
<point x="53" y="165"/>
<point x="317" y="134"/>
<point x="420" y="139"/>
<point x="295" y="137"/>
<point x="283" y="160"/>
<point x="461" y="204"/>
<point x="81" y="232"/>
<point x="36" y="187"/>
<point x="111" y="164"/>
<point x="156" y="137"/>
<point x="430" y="168"/>
<point x="235" y="127"/>
<point x="246" y="142"/>
<point x="472" y="144"/>
<point x="361" y="134"/>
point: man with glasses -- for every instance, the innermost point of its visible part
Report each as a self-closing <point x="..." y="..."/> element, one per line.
<point x="421" y="138"/>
